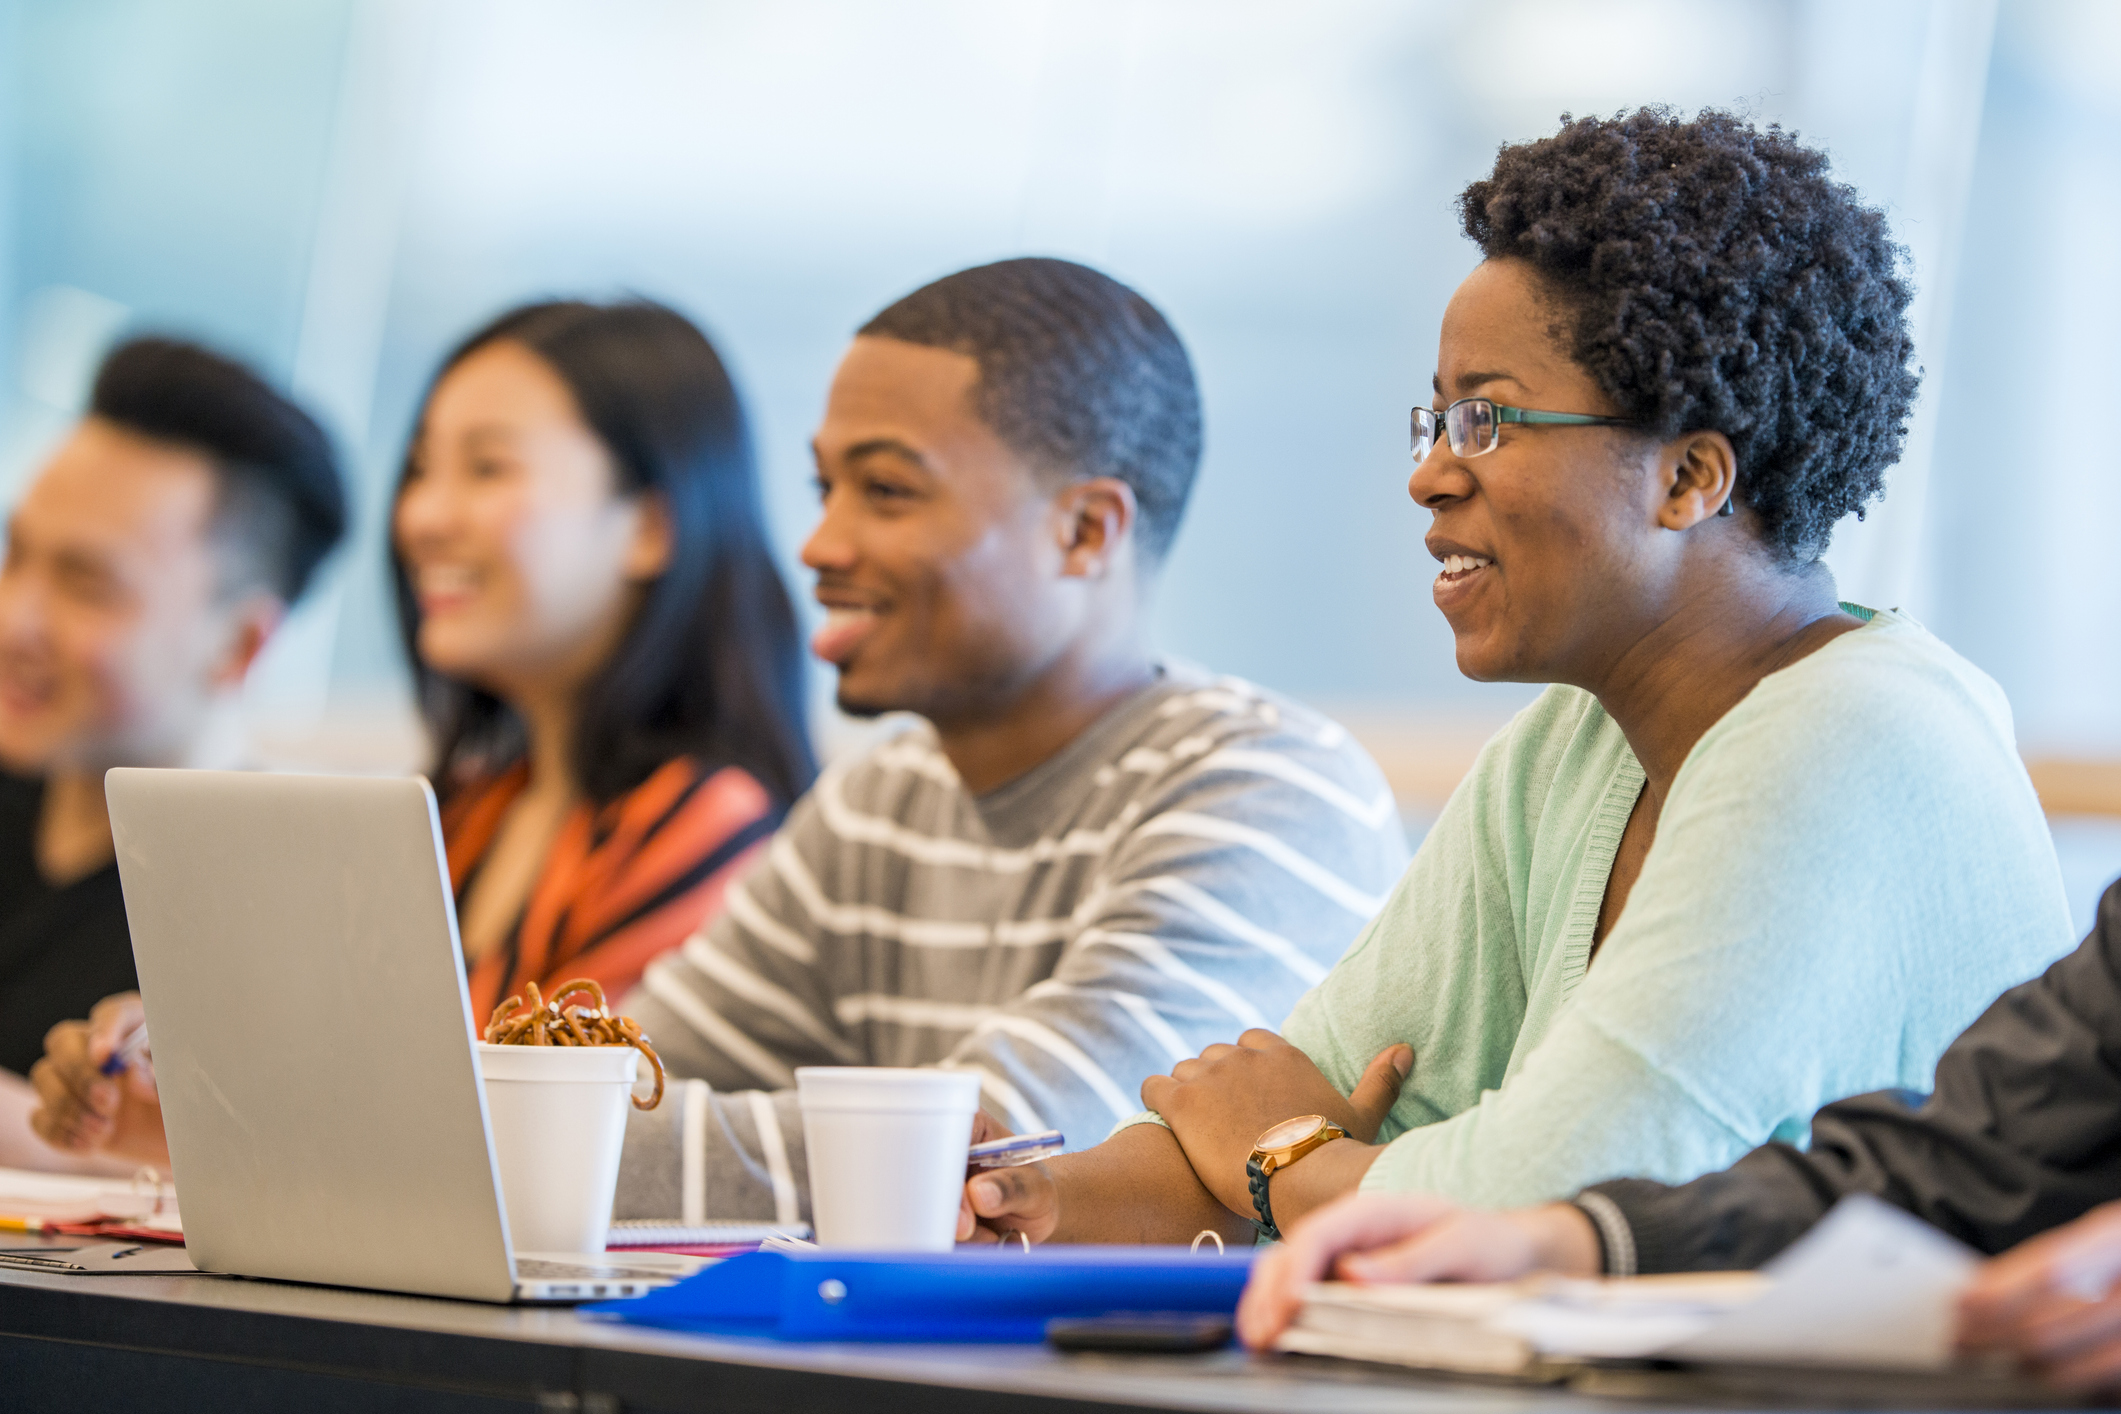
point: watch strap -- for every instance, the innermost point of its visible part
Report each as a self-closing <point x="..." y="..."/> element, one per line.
<point x="1256" y="1179"/>
<point x="1257" y="1171"/>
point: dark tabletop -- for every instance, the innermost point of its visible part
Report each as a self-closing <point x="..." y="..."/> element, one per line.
<point x="227" y="1346"/>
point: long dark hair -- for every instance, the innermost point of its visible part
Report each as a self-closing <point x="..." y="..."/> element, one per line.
<point x="711" y="666"/>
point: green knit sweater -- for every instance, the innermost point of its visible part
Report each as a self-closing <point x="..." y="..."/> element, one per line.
<point x="1849" y="866"/>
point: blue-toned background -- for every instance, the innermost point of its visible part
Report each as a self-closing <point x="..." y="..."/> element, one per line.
<point x="337" y="189"/>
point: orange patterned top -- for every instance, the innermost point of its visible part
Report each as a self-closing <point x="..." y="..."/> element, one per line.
<point x="622" y="884"/>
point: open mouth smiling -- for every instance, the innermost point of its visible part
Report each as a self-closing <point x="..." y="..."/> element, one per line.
<point x="1464" y="572"/>
<point x="847" y="624"/>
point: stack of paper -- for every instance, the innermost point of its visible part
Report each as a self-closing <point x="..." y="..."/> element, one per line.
<point x="1868" y="1288"/>
<point x="36" y="1201"/>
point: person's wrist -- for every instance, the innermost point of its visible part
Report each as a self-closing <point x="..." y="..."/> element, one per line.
<point x="1564" y="1240"/>
<point x="1063" y="1177"/>
<point x="1329" y="1172"/>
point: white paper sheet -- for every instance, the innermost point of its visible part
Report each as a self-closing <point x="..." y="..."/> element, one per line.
<point x="1869" y="1286"/>
<point x="1625" y="1320"/>
<point x="63" y="1197"/>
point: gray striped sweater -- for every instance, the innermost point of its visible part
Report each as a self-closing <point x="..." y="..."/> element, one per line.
<point x="1181" y="871"/>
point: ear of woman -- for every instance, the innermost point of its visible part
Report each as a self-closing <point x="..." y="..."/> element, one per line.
<point x="1702" y="480"/>
<point x="653" y="539"/>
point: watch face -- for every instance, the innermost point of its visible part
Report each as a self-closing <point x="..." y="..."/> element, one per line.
<point x="1290" y="1131"/>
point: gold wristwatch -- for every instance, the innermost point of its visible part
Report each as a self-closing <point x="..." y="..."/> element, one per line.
<point x="1278" y="1148"/>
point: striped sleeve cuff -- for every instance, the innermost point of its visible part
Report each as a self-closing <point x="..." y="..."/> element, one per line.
<point x="1616" y="1240"/>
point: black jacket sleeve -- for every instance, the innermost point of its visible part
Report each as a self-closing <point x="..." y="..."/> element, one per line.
<point x="2022" y="1134"/>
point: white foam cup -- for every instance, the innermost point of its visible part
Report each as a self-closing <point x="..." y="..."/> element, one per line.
<point x="559" y="1121"/>
<point x="886" y="1150"/>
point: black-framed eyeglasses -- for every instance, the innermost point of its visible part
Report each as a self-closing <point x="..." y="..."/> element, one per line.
<point x="1474" y="425"/>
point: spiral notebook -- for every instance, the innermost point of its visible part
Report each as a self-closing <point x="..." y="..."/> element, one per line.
<point x="641" y="1233"/>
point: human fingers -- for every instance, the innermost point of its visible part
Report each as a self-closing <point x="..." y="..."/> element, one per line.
<point x="1021" y="1199"/>
<point x="1378" y="1090"/>
<point x="42" y="1125"/>
<point x="2094" y="1364"/>
<point x="2059" y="1328"/>
<point x="1157" y="1091"/>
<point x="1465" y="1245"/>
<point x="2067" y="1340"/>
<point x="138" y="1081"/>
<point x="61" y="1118"/>
<point x="77" y="1081"/>
<point x="1355" y="1223"/>
<point x="1993" y="1302"/>
<point x="1269" y="1302"/>
<point x="112" y="1021"/>
<point x="1990" y="1311"/>
<point x="968" y="1228"/>
<point x="1259" y="1038"/>
<point x="2072" y="1264"/>
<point x="2082" y="1258"/>
<point x="986" y="1128"/>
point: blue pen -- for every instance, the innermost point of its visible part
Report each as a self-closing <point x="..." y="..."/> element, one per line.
<point x="1015" y="1150"/>
<point x="121" y="1060"/>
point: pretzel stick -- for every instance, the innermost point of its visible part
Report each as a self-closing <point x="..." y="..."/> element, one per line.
<point x="583" y="984"/>
<point x="640" y="1043"/>
<point x="533" y="1019"/>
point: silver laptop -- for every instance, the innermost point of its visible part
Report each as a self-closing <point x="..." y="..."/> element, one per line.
<point x="312" y="1038"/>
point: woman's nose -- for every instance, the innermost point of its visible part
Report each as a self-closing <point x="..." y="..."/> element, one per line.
<point x="1422" y="484"/>
<point x="1438" y="477"/>
<point x="424" y="511"/>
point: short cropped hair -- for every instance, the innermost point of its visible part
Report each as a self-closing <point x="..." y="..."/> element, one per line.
<point x="280" y="503"/>
<point x="1078" y="373"/>
<point x="1714" y="277"/>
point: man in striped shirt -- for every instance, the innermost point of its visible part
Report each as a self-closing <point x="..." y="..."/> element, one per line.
<point x="1084" y="863"/>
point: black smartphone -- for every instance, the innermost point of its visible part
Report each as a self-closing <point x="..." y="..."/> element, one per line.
<point x="1170" y="1332"/>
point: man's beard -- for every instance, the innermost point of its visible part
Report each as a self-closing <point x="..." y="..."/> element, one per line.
<point x="986" y="690"/>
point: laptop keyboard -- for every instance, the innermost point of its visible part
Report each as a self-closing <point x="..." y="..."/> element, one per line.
<point x="534" y="1269"/>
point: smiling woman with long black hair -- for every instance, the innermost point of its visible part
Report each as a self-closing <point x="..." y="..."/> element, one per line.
<point x="605" y="654"/>
<point x="1753" y="849"/>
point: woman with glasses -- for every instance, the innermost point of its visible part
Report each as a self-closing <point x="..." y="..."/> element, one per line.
<point x="1753" y="849"/>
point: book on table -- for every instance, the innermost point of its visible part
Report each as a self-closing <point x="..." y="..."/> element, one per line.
<point x="1868" y="1288"/>
<point x="80" y="1204"/>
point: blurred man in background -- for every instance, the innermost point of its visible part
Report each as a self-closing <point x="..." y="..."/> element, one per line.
<point x="147" y="564"/>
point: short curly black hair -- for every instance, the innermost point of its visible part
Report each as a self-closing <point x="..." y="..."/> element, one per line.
<point x="1713" y="276"/>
